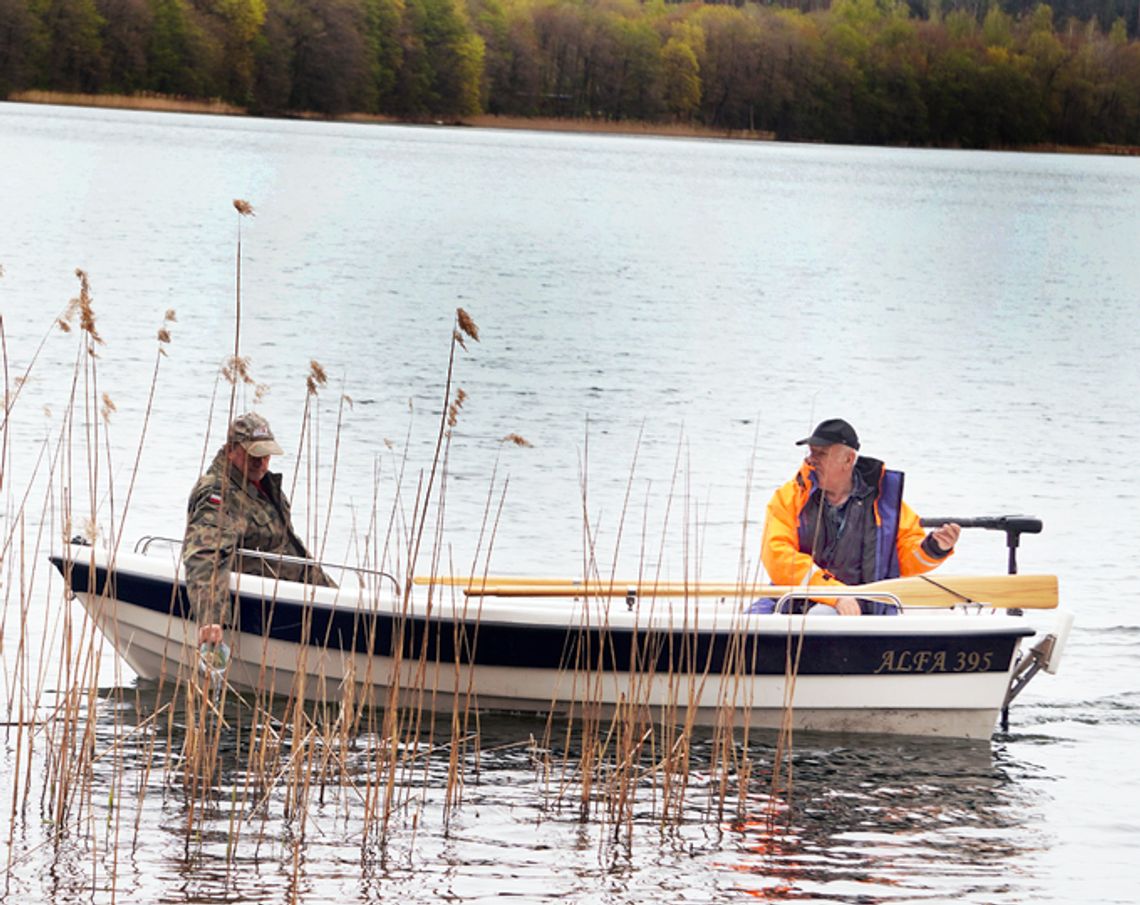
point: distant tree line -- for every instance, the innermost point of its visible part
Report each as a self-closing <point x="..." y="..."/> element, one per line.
<point x="1104" y="11"/>
<point x="970" y="73"/>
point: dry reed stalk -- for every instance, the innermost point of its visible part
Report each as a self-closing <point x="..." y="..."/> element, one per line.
<point x="244" y="209"/>
<point x="71" y="747"/>
<point x="9" y="401"/>
<point x="108" y="408"/>
<point x="418" y="686"/>
<point x="674" y="728"/>
<point x="748" y="577"/>
<point x="608" y="765"/>
<point x="462" y="704"/>
<point x="464" y="326"/>
<point x="68" y="732"/>
<point x="163" y="339"/>
<point x="619" y="808"/>
<point x="335" y="462"/>
<point x="782" y="763"/>
<point x="398" y="730"/>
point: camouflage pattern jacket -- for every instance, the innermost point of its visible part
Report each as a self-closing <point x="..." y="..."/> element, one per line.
<point x="227" y="513"/>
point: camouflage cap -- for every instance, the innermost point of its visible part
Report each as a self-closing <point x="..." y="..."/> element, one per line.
<point x="252" y="433"/>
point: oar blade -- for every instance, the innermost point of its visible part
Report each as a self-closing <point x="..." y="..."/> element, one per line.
<point x="1029" y="592"/>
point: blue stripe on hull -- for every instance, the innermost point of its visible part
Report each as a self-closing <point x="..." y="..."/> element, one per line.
<point x="553" y="647"/>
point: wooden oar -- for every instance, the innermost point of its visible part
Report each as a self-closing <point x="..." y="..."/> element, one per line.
<point x="458" y="581"/>
<point x="1022" y="591"/>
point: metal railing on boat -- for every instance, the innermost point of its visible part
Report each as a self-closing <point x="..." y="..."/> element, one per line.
<point x="143" y="544"/>
<point x="815" y="594"/>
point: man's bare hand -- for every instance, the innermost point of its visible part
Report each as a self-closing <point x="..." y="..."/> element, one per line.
<point x="209" y="634"/>
<point x="847" y="606"/>
<point x="946" y="536"/>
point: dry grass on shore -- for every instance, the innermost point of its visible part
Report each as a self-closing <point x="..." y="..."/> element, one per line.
<point x="144" y="100"/>
<point x="617" y="127"/>
<point x="172" y="104"/>
<point x="147" y="100"/>
<point x="568" y="124"/>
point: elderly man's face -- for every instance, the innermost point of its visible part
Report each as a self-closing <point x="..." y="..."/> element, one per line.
<point x="832" y="464"/>
<point x="253" y="467"/>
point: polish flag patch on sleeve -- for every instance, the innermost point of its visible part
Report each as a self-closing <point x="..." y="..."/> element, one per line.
<point x="214" y="499"/>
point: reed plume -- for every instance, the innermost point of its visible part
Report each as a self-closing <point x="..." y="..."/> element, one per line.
<point x="456" y="405"/>
<point x="84" y="306"/>
<point x="164" y="332"/>
<point x="81" y="308"/>
<point x="236" y="370"/>
<point x="316" y="379"/>
<point x="466" y="324"/>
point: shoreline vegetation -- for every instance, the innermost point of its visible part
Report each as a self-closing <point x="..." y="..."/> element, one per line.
<point x="158" y="103"/>
<point x="1013" y="74"/>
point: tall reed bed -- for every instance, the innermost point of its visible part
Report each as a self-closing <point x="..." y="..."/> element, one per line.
<point x="364" y="742"/>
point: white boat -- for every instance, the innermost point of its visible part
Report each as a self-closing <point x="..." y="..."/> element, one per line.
<point x="679" y="653"/>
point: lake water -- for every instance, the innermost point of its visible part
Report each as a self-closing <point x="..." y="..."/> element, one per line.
<point x="659" y="318"/>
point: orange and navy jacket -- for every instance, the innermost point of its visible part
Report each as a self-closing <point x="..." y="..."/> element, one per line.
<point x="901" y="546"/>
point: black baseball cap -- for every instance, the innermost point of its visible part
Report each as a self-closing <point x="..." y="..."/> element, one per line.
<point x="830" y="432"/>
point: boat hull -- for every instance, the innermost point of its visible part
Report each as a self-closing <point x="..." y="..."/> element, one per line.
<point x="706" y="662"/>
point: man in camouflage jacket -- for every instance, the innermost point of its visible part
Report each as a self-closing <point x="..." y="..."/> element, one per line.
<point x="237" y="505"/>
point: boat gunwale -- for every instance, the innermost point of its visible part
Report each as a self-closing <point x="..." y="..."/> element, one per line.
<point x="652" y="614"/>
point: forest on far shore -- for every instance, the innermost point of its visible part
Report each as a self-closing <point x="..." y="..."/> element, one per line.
<point x="970" y="74"/>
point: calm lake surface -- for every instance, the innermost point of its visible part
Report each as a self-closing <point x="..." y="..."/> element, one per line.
<point x="660" y="319"/>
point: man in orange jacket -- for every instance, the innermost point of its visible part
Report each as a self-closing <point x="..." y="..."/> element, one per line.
<point x="842" y="520"/>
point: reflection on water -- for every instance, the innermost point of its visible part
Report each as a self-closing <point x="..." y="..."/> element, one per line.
<point x="846" y="820"/>
<point x="884" y="820"/>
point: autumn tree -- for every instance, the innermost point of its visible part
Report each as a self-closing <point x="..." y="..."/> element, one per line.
<point x="442" y="61"/>
<point x="681" y="78"/>
<point x="180" y="59"/>
<point x="22" y="41"/>
<point x="235" y="26"/>
<point x="72" y="56"/>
